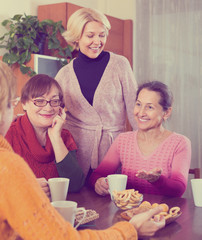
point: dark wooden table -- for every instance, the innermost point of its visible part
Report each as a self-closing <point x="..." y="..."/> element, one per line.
<point x="187" y="227"/>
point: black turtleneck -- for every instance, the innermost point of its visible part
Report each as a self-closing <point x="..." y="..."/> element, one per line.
<point x="89" y="72"/>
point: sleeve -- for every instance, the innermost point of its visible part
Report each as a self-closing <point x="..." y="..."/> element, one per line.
<point x="68" y="140"/>
<point x="176" y="185"/>
<point x="129" y="86"/>
<point x="109" y="164"/>
<point x="34" y="217"/>
<point x="70" y="168"/>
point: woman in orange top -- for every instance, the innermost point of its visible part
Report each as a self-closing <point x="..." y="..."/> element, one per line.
<point x="25" y="210"/>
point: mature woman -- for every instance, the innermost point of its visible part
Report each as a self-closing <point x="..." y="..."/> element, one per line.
<point x="155" y="159"/>
<point x="38" y="136"/>
<point x="25" y="210"/>
<point x="99" y="88"/>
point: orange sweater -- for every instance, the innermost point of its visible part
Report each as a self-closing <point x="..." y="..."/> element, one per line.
<point x="26" y="211"/>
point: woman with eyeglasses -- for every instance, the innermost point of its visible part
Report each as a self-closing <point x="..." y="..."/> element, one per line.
<point x="38" y="136"/>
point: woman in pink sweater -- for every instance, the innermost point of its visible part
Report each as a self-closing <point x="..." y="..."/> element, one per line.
<point x="155" y="159"/>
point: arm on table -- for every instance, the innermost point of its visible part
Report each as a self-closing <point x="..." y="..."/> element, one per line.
<point x="70" y="168"/>
<point x="34" y="217"/>
<point x="177" y="183"/>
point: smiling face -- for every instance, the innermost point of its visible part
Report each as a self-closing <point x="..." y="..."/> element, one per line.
<point x="42" y="117"/>
<point x="93" y="39"/>
<point x="149" y="114"/>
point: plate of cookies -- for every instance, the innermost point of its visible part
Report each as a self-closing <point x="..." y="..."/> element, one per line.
<point x="170" y="214"/>
<point x="127" y="199"/>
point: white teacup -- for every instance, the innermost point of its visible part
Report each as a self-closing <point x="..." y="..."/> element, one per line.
<point x="117" y="182"/>
<point x="196" y="185"/>
<point x="68" y="210"/>
<point x="58" y="188"/>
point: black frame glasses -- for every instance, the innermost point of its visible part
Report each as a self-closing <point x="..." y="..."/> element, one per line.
<point x="43" y="102"/>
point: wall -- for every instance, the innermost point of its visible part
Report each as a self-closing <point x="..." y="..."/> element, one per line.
<point x="117" y="8"/>
<point x="83" y="3"/>
<point x="18" y="7"/>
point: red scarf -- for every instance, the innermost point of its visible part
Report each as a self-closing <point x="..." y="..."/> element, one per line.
<point x="22" y="137"/>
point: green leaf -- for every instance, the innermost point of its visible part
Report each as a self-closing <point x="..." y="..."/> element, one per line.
<point x="24" y="69"/>
<point x="47" y="22"/>
<point x="17" y="17"/>
<point x="53" y="44"/>
<point x="5" y="22"/>
<point x="10" y="58"/>
<point x="27" y="70"/>
<point x="34" y="48"/>
<point x="27" y="42"/>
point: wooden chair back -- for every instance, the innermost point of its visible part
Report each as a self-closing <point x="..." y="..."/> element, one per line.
<point x="195" y="172"/>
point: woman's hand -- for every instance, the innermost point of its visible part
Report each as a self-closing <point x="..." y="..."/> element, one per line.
<point x="54" y="133"/>
<point x="44" y="185"/>
<point x="151" y="176"/>
<point x="55" y="130"/>
<point x="144" y="225"/>
<point x="101" y="186"/>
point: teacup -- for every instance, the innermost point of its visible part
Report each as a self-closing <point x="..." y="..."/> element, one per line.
<point x="196" y="185"/>
<point x="68" y="210"/>
<point x="58" y="188"/>
<point x="116" y="182"/>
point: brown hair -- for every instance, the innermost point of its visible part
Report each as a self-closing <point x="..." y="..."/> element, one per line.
<point x="37" y="86"/>
<point x="166" y="95"/>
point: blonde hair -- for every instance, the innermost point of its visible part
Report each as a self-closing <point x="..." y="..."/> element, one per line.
<point x="77" y="22"/>
<point x="7" y="87"/>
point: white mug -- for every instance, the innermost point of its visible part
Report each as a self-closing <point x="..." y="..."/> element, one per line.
<point x="58" y="188"/>
<point x="68" y="210"/>
<point x="117" y="182"/>
<point x="196" y="185"/>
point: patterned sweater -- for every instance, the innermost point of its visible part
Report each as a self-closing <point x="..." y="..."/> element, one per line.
<point x="173" y="155"/>
<point x="26" y="211"/>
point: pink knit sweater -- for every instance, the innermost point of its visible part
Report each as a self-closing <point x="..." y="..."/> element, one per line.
<point x="173" y="155"/>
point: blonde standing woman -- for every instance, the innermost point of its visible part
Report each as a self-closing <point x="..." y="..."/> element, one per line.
<point x="25" y="210"/>
<point x="99" y="88"/>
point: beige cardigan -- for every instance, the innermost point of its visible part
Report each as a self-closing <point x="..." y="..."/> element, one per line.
<point x="95" y="127"/>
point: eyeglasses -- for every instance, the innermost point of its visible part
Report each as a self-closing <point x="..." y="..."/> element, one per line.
<point x="43" y="102"/>
<point x="14" y="102"/>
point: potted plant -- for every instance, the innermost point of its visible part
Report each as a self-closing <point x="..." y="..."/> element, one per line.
<point x="27" y="35"/>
